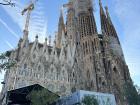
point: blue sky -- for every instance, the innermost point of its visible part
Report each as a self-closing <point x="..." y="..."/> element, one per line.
<point x="44" y="21"/>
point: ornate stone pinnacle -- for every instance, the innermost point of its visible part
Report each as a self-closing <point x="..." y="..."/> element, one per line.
<point x="36" y="36"/>
<point x="46" y="39"/>
<point x="106" y="7"/>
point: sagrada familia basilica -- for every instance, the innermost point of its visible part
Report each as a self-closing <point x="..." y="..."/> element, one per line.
<point x="80" y="58"/>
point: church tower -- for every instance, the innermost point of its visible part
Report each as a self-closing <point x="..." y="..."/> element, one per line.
<point x="114" y="62"/>
<point x="90" y="46"/>
<point x="61" y="29"/>
<point x="108" y="29"/>
<point x="71" y="24"/>
<point x="80" y="59"/>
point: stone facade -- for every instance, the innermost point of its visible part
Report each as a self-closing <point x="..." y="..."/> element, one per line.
<point x="80" y="59"/>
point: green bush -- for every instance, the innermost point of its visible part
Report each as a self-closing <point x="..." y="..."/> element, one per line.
<point x="131" y="94"/>
<point x="41" y="97"/>
<point x="90" y="100"/>
<point x="5" y="62"/>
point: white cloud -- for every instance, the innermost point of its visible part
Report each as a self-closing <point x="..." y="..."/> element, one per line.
<point x="38" y="24"/>
<point x="15" y="13"/>
<point x="37" y="20"/>
<point x="9" y="29"/>
<point x="9" y="44"/>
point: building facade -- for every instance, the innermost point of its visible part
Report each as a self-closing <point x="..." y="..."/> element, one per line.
<point x="80" y="59"/>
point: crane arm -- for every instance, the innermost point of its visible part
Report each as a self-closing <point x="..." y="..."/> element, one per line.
<point x="30" y="7"/>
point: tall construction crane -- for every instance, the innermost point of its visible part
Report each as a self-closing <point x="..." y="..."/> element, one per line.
<point x="28" y="9"/>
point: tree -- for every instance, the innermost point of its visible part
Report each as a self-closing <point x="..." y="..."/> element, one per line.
<point x="5" y="62"/>
<point x="138" y="88"/>
<point x="42" y="97"/>
<point x="131" y="94"/>
<point x="90" y="100"/>
<point x="7" y="2"/>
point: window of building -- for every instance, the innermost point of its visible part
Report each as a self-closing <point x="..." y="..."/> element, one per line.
<point x="34" y="56"/>
<point x="86" y="44"/>
<point x="103" y="83"/>
<point x="98" y="69"/>
<point x="115" y="69"/>
<point x="88" y="74"/>
<point x="39" y="68"/>
<point x="25" y="66"/>
<point x="73" y="74"/>
<point x="26" y="73"/>
<point x="73" y="90"/>
<point x="100" y="80"/>
<point x="92" y="84"/>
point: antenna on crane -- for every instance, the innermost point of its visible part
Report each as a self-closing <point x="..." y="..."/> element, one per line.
<point x="27" y="10"/>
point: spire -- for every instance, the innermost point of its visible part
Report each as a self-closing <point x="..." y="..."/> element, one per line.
<point x="20" y="42"/>
<point x="61" y="19"/>
<point x="101" y="8"/>
<point x="50" y="38"/>
<point x="85" y="19"/>
<point x="45" y="46"/>
<point x="61" y="12"/>
<point x="46" y="39"/>
<point x="61" y="28"/>
<point x="36" y="37"/>
<point x="35" y="44"/>
<point x="108" y="15"/>
<point x="104" y="27"/>
<point x="112" y="30"/>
